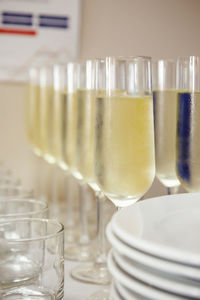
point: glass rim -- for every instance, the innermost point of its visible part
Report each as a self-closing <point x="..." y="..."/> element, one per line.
<point x="173" y="60"/>
<point x="14" y="187"/>
<point x="59" y="65"/>
<point x="24" y="200"/>
<point x="46" y="68"/>
<point x="77" y="61"/>
<point x="188" y="57"/>
<point x="35" y="220"/>
<point x="85" y="61"/>
<point x="127" y="58"/>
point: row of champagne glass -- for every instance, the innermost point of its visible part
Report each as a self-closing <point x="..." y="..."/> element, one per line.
<point x="61" y="120"/>
<point x="95" y="120"/>
<point x="107" y="111"/>
<point x="51" y="122"/>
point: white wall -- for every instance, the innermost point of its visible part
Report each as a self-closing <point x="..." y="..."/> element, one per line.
<point x="158" y="28"/>
<point x="14" y="148"/>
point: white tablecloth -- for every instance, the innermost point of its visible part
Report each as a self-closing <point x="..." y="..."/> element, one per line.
<point x="76" y="290"/>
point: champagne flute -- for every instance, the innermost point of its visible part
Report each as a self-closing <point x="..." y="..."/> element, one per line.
<point x="165" y="115"/>
<point x="32" y="110"/>
<point x="188" y="112"/>
<point x="46" y="112"/>
<point x="53" y="119"/>
<point x="60" y="121"/>
<point x="33" y="125"/>
<point x="34" y="122"/>
<point x="76" y="138"/>
<point x="46" y="135"/>
<point x="124" y="133"/>
<point x="32" y="107"/>
<point x="96" y="270"/>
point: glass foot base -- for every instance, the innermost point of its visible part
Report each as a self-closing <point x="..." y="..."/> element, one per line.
<point x="79" y="253"/>
<point x="92" y="273"/>
<point x="100" y="295"/>
<point x="29" y="293"/>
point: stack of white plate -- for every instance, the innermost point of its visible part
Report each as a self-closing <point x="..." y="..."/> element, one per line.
<point x="156" y="249"/>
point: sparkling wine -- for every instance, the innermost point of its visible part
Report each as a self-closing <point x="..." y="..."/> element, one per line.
<point x="165" y="116"/>
<point x="85" y="134"/>
<point x="70" y="131"/>
<point x="188" y="140"/>
<point x="124" y="147"/>
<point x="59" y="127"/>
<point x="46" y="124"/>
<point x="34" y="122"/>
<point x="29" y="112"/>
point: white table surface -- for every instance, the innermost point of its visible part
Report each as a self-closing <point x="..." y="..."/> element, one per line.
<point x="76" y="290"/>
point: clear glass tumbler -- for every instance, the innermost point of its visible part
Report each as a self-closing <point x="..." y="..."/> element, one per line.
<point x="8" y="191"/>
<point x="40" y="244"/>
<point x="22" y="208"/>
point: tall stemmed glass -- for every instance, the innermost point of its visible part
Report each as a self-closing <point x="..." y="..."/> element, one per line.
<point x="61" y="126"/>
<point x="37" y="117"/>
<point x="46" y="134"/>
<point x="78" y="152"/>
<point x="33" y="107"/>
<point x="32" y="110"/>
<point x="165" y="116"/>
<point x="95" y="271"/>
<point x="188" y="124"/>
<point x="46" y="112"/>
<point x="124" y="132"/>
<point x="33" y="125"/>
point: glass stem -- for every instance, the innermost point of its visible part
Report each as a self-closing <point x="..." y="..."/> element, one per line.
<point x="172" y="190"/>
<point x="84" y="239"/>
<point x="70" y="199"/>
<point x="101" y="240"/>
<point x="54" y="188"/>
<point x="42" y="179"/>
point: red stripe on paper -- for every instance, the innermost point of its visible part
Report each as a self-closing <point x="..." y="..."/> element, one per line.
<point x="17" y="31"/>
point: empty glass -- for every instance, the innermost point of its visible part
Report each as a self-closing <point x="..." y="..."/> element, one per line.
<point x="9" y="191"/>
<point x="22" y="208"/>
<point x="12" y="261"/>
<point x="40" y="245"/>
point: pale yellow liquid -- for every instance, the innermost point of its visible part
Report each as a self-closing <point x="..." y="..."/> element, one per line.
<point x="29" y="111"/>
<point x="33" y="113"/>
<point x="85" y="134"/>
<point x="70" y="131"/>
<point x="124" y="147"/>
<point x="59" y="127"/>
<point x="46" y="122"/>
<point x="165" y="108"/>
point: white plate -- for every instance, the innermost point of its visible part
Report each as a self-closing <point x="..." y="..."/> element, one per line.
<point x="157" y="264"/>
<point x="156" y="279"/>
<point x="166" y="227"/>
<point x="114" y="295"/>
<point x="126" y="293"/>
<point x="137" y="286"/>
